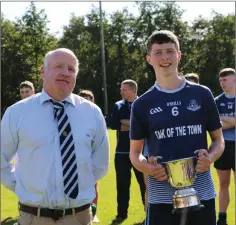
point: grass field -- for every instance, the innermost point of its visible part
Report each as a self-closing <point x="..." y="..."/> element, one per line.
<point x="107" y="198"/>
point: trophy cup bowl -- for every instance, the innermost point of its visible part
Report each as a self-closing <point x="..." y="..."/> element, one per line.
<point x="182" y="175"/>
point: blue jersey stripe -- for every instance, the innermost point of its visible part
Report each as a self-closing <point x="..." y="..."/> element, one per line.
<point x="162" y="192"/>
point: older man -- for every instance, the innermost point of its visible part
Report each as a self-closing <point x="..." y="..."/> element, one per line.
<point x="120" y="121"/>
<point x="61" y="153"/>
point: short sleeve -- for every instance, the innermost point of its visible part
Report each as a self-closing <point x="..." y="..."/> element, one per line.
<point x="137" y="129"/>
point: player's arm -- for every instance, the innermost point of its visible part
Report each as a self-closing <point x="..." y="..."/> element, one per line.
<point x="114" y="118"/>
<point x="228" y="120"/>
<point x="136" y="148"/>
<point x="217" y="146"/>
<point x="136" y="156"/>
<point x="125" y="122"/>
<point x="124" y="128"/>
<point x="141" y="164"/>
<point x="226" y="125"/>
<point x="125" y="125"/>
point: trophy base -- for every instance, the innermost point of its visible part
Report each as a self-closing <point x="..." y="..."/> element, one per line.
<point x="188" y="209"/>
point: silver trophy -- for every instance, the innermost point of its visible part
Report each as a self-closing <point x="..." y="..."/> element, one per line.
<point x="182" y="175"/>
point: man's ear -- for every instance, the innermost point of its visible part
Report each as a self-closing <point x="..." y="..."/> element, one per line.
<point x="179" y="55"/>
<point x="148" y="58"/>
<point x="42" y="71"/>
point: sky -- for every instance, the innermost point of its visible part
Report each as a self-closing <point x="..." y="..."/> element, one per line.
<point x="59" y="12"/>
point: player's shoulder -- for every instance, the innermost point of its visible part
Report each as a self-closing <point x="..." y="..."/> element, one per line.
<point x="145" y="97"/>
<point x="120" y="102"/>
<point x="220" y="97"/>
<point x="198" y="88"/>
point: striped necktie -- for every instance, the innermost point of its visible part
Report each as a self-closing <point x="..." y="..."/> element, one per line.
<point x="67" y="148"/>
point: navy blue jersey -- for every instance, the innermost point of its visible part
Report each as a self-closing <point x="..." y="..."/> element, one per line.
<point x="226" y="107"/>
<point x="121" y="110"/>
<point x="175" y="122"/>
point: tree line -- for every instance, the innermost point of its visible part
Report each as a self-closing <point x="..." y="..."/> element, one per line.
<point x="207" y="46"/>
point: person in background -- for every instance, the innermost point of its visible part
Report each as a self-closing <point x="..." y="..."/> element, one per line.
<point x="193" y="77"/>
<point x="26" y="89"/>
<point x="87" y="95"/>
<point x="226" y="106"/>
<point x="120" y="121"/>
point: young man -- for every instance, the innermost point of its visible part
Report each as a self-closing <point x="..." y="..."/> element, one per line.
<point x="120" y="121"/>
<point x="226" y="106"/>
<point x="193" y="77"/>
<point x="90" y="97"/>
<point x="87" y="95"/>
<point x="62" y="145"/>
<point x="26" y="89"/>
<point x="174" y="116"/>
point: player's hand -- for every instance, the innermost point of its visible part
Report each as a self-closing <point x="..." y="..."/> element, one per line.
<point x="157" y="170"/>
<point x="124" y="128"/>
<point x="204" y="161"/>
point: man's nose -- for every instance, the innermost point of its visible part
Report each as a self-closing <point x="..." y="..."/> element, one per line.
<point x="65" y="71"/>
<point x="165" y="56"/>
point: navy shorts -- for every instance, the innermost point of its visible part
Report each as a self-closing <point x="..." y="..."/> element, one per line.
<point x="227" y="159"/>
<point x="161" y="214"/>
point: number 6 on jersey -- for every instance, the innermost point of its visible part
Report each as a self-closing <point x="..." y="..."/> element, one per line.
<point x="175" y="111"/>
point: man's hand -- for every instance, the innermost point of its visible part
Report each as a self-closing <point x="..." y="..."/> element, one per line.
<point x="124" y="127"/>
<point x="204" y="161"/>
<point x="157" y="170"/>
<point x="125" y="122"/>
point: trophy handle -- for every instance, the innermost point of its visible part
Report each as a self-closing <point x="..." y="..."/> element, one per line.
<point x="155" y="159"/>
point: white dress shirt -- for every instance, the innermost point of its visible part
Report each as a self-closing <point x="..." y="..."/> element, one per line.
<point x="30" y="130"/>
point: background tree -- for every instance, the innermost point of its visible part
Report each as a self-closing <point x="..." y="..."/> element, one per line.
<point x="207" y="46"/>
<point x="24" y="44"/>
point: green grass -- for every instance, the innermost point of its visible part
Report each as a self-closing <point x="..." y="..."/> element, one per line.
<point x="107" y="197"/>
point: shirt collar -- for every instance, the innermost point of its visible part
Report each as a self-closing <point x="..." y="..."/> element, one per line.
<point x="45" y="97"/>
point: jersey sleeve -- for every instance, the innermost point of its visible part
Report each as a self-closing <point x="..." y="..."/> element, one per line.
<point x="137" y="131"/>
<point x="212" y="114"/>
<point x="114" y="119"/>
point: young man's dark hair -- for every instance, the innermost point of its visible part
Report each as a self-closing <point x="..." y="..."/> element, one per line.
<point x="193" y="77"/>
<point x="160" y="37"/>
<point x="26" y="84"/>
<point x="87" y="94"/>
<point x="226" y="72"/>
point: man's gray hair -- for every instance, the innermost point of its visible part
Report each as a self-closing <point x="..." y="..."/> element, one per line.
<point x="66" y="50"/>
